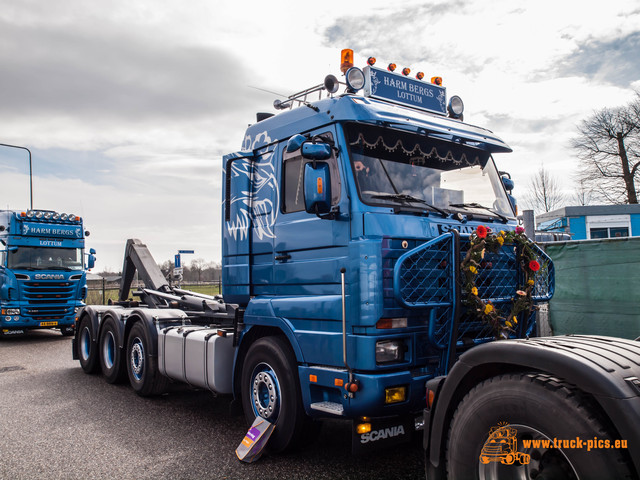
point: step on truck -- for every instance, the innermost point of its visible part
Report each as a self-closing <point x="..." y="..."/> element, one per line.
<point x="43" y="280"/>
<point x="354" y="274"/>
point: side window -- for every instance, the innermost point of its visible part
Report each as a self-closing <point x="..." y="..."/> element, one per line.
<point x="293" y="176"/>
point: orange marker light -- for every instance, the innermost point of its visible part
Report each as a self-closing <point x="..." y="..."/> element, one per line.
<point x="436" y="80"/>
<point x="419" y="75"/>
<point x="313" y="378"/>
<point x="391" y="67"/>
<point x="346" y="59"/>
<point x="406" y="71"/>
<point x="319" y="186"/>
<point x="371" y="61"/>
<point x="338" y="382"/>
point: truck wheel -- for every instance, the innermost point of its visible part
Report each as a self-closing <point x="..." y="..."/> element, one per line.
<point x="109" y="353"/>
<point x="271" y="389"/>
<point x="142" y="368"/>
<point x="87" y="349"/>
<point x="539" y="408"/>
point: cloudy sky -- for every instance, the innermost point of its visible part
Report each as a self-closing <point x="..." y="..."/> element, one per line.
<point x="128" y="106"/>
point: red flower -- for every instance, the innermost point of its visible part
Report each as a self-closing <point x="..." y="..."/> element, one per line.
<point x="481" y="231"/>
<point x="519" y="230"/>
<point x="534" y="266"/>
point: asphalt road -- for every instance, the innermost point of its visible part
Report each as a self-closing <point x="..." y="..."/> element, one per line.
<point x="58" y="422"/>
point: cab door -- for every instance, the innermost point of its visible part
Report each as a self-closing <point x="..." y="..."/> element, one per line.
<point x="309" y="251"/>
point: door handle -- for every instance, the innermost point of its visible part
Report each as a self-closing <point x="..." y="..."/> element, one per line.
<point x="282" y="257"/>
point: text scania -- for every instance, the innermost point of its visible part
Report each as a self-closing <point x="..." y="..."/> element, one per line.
<point x="49" y="276"/>
<point x="382" y="434"/>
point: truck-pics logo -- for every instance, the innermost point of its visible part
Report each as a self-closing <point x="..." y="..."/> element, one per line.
<point x="502" y="446"/>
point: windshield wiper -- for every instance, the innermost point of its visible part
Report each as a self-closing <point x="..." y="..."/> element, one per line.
<point x="480" y="207"/>
<point x="404" y="198"/>
<point x="57" y="267"/>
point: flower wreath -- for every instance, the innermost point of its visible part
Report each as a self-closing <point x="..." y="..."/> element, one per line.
<point x="480" y="241"/>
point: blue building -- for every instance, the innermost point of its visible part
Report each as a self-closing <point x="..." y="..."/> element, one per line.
<point x="592" y="221"/>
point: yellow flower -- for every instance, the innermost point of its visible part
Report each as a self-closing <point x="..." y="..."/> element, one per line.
<point x="530" y="281"/>
<point x="474" y="291"/>
<point x="508" y="324"/>
<point x="515" y="319"/>
<point x="473" y="269"/>
<point x="500" y="240"/>
<point x="502" y="233"/>
<point x="488" y="308"/>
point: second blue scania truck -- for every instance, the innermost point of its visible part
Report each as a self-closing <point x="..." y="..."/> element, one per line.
<point x="346" y="220"/>
<point x="43" y="280"/>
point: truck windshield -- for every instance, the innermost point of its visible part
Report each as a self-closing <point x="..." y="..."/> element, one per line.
<point x="392" y="167"/>
<point x="45" y="258"/>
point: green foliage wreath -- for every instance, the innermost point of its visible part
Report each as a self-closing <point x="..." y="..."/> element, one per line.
<point x="483" y="240"/>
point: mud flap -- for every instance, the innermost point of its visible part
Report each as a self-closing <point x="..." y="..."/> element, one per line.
<point x="255" y="440"/>
<point x="384" y="433"/>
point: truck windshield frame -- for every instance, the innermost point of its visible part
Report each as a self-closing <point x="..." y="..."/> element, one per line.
<point x="393" y="167"/>
<point x="46" y="258"/>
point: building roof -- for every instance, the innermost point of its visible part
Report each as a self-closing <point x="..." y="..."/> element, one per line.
<point x="586" y="210"/>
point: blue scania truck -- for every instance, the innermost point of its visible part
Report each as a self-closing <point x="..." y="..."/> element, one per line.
<point x="346" y="218"/>
<point x="42" y="272"/>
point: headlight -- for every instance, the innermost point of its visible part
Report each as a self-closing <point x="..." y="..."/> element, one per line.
<point x="355" y="79"/>
<point x="456" y="107"/>
<point x="30" y="214"/>
<point x="388" y="351"/>
<point x="63" y="216"/>
<point x="12" y="311"/>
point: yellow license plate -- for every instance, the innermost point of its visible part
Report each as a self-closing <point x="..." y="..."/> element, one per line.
<point x="48" y="324"/>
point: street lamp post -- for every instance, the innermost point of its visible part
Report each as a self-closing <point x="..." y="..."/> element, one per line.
<point x="30" y="169"/>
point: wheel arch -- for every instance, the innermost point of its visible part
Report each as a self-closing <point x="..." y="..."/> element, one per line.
<point x="596" y="365"/>
<point x="249" y="337"/>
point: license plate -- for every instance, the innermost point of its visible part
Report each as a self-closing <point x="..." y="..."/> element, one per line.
<point x="48" y="324"/>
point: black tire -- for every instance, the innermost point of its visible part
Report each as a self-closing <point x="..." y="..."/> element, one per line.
<point x="87" y="349"/>
<point x="271" y="389"/>
<point x="539" y="407"/>
<point x="142" y="368"/>
<point x="110" y="355"/>
<point x="67" y="331"/>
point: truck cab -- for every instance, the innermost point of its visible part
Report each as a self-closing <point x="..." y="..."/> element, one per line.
<point x="42" y="270"/>
<point x="340" y="224"/>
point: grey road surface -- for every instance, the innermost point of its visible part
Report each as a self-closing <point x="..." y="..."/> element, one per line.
<point x="56" y="422"/>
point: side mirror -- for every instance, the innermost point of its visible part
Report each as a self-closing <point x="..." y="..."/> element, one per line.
<point x="316" y="151"/>
<point x="310" y="150"/>
<point x="91" y="260"/>
<point x="295" y="142"/>
<point x="317" y="188"/>
<point x="508" y="184"/>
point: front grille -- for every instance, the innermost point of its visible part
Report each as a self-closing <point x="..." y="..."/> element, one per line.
<point x="421" y="278"/>
<point x="45" y="300"/>
<point x="46" y="293"/>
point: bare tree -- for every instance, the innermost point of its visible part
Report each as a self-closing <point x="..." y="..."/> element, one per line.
<point x="544" y="192"/>
<point x="582" y="193"/>
<point x="608" y="145"/>
<point x="197" y="265"/>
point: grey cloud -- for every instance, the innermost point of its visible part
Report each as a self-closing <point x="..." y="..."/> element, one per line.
<point x="388" y="34"/>
<point x="608" y="61"/>
<point x="112" y="72"/>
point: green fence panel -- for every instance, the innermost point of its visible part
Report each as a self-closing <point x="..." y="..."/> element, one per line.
<point x="597" y="287"/>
